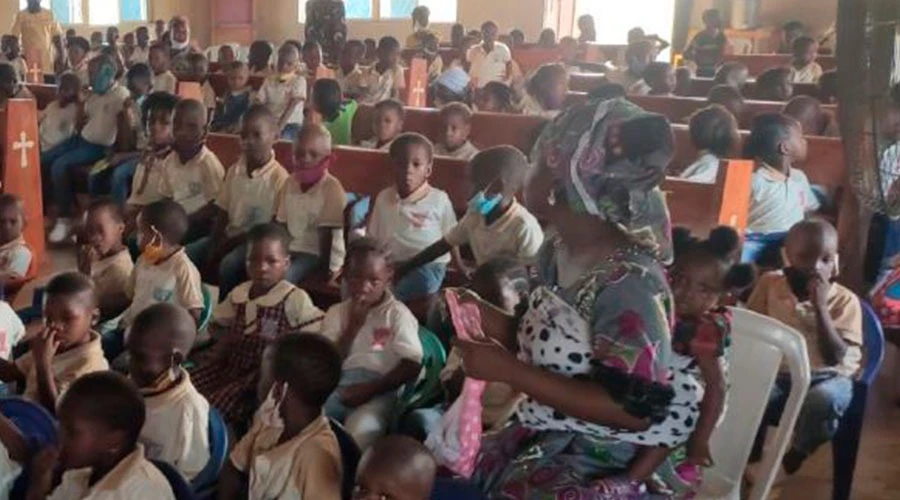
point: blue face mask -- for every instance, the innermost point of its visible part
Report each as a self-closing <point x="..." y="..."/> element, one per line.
<point x="104" y="79"/>
<point x="484" y="205"/>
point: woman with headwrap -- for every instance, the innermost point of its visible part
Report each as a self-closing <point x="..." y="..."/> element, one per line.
<point x="593" y="344"/>
<point x="326" y="23"/>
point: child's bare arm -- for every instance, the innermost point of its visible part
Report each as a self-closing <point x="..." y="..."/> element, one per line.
<point x="326" y="239"/>
<point x="359" y="394"/>
<point x="710" y="410"/>
<point x="830" y="343"/>
<point x="434" y="251"/>
<point x="10" y="373"/>
<point x="230" y="482"/>
<point x="289" y="110"/>
<point x="14" y="441"/>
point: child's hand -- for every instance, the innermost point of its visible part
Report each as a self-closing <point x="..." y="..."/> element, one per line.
<point x="87" y="256"/>
<point x="334" y="279"/>
<point x="44" y="346"/>
<point x="818" y="287"/>
<point x="356" y="395"/>
<point x="698" y="452"/>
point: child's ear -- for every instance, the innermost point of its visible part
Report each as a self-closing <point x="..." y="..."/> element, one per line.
<point x="95" y="316"/>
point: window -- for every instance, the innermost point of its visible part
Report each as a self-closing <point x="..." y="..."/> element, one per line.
<point x="65" y="11"/>
<point x="442" y="11"/>
<point x="614" y="18"/>
<point x="99" y="12"/>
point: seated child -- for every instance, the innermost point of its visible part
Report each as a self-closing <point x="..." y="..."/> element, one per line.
<point x="248" y="197"/>
<point x="104" y="257"/>
<point x="299" y="457"/>
<point x="11" y="85"/>
<point x="14" y="451"/>
<point x="714" y="132"/>
<point x="141" y="52"/>
<point x="546" y="91"/>
<point x="77" y="49"/>
<point x="456" y="123"/>
<point x="378" y="338"/>
<point x="790" y="31"/>
<point x="412" y="215"/>
<point x="637" y="56"/>
<point x="65" y="349"/>
<point x="684" y="78"/>
<point x="259" y="58"/>
<point x="806" y="69"/>
<point x="226" y="56"/>
<point x="780" y="194"/>
<point x="733" y="74"/>
<point x="396" y="467"/>
<point x="337" y="114"/>
<point x="707" y="48"/>
<point x="775" y="84"/>
<point x="57" y="121"/>
<point x="495" y="225"/>
<point x="11" y="52"/>
<point x="198" y="66"/>
<point x="97" y="134"/>
<point x="161" y="64"/>
<point x="805" y="296"/>
<point x="387" y="124"/>
<point x="163" y="272"/>
<point x="253" y="314"/>
<point x="159" y="109"/>
<point x="430" y="51"/>
<point x="285" y="92"/>
<point x="495" y="97"/>
<point x="96" y="42"/>
<point x="385" y="79"/>
<point x="813" y="119"/>
<point x="236" y="101"/>
<point x="15" y="255"/>
<point x="349" y="74"/>
<point x="728" y="97"/>
<point x="658" y="79"/>
<point x="451" y="86"/>
<point x="101" y="418"/>
<point x="12" y="330"/>
<point x="192" y="175"/>
<point x="311" y="53"/>
<point x="176" y="428"/>
<point x="311" y="206"/>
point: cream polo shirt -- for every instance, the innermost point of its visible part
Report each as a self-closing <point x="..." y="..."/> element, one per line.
<point x="276" y="95"/>
<point x="134" y="478"/>
<point x="15" y="257"/>
<point x="164" y="82"/>
<point x="66" y="366"/>
<point x="306" y="466"/>
<point x="194" y="184"/>
<point x="807" y="74"/>
<point x="516" y="234"/>
<point x="465" y="152"/>
<point x="176" y="430"/>
<point x="111" y="275"/>
<point x="389" y="335"/>
<point x="777" y="202"/>
<point x="486" y="67"/>
<point x="704" y="170"/>
<point x="353" y="83"/>
<point x="57" y="124"/>
<point x="305" y="212"/>
<point x="299" y="310"/>
<point x="103" y="115"/>
<point x="145" y="184"/>
<point x="174" y="280"/>
<point x="12" y="330"/>
<point x="411" y="225"/>
<point x="381" y="86"/>
<point x="250" y="198"/>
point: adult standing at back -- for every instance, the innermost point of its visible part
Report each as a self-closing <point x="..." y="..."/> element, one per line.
<point x="421" y="19"/>
<point x="37" y="27"/>
<point x="489" y="61"/>
<point x="179" y="39"/>
<point x="326" y="23"/>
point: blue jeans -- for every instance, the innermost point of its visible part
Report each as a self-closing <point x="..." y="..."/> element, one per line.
<point x="828" y="398"/>
<point x="763" y="249"/>
<point x="891" y="248"/>
<point x="334" y="408"/>
<point x="421" y="282"/>
<point x="115" y="181"/>
<point x="302" y="264"/>
<point x="56" y="165"/>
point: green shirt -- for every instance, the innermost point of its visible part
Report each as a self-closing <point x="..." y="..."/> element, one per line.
<point x="341" y="128"/>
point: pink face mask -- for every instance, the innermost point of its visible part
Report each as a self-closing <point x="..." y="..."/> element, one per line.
<point x="307" y="176"/>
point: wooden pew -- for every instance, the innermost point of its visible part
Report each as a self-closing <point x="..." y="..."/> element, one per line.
<point x="44" y="93"/>
<point x="701" y="207"/>
<point x="488" y="129"/>
<point x="599" y="53"/>
<point x="21" y="176"/>
<point x="586" y="82"/>
<point x="219" y="82"/>
<point x="758" y="63"/>
<point x="448" y="55"/>
<point x="700" y="87"/>
<point x="531" y="58"/>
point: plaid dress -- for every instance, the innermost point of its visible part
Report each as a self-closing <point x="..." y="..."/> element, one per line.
<point x="231" y="386"/>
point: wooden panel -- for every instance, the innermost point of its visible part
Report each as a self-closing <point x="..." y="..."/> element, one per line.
<point x="586" y="82"/>
<point x="190" y="90"/>
<point x="416" y="83"/>
<point x="219" y="83"/>
<point x="232" y="21"/>
<point x="700" y="87"/>
<point x="532" y="58"/>
<point x="758" y="63"/>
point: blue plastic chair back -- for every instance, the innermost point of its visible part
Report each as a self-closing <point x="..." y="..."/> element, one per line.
<point x="762" y="247"/>
<point x="33" y="421"/>
<point x="218" y="453"/>
<point x="179" y="486"/>
<point x="873" y="342"/>
<point x="350" y="455"/>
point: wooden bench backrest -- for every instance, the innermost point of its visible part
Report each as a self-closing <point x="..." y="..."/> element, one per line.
<point x="44" y="93"/>
<point x="531" y="58"/>
<point x="701" y="207"/>
<point x="598" y="53"/>
<point x="219" y="82"/>
<point x="488" y="129"/>
<point x="758" y="63"/>
<point x="700" y="87"/>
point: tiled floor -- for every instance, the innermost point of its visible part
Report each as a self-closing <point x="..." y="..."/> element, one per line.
<point x="878" y="463"/>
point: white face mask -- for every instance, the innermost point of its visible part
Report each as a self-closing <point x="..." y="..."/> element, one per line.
<point x="181" y="45"/>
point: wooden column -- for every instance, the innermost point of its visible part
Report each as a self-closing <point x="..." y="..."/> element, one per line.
<point x="231" y="21"/>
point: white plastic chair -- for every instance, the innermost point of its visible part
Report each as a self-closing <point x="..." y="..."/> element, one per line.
<point x="759" y="346"/>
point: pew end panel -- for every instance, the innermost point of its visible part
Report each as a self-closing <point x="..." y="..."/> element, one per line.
<point x="701" y="207"/>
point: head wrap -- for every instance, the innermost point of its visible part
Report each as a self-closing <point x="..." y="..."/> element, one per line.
<point x="455" y="79"/>
<point x="621" y="185"/>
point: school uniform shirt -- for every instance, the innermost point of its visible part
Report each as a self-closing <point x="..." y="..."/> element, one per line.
<point x="249" y="198"/>
<point x="381" y="86"/>
<point x="305" y="212"/>
<point x="66" y="366"/>
<point x="176" y="430"/>
<point x="889" y="167"/>
<point x="516" y="234"/>
<point x="373" y="144"/>
<point x="306" y="466"/>
<point x="174" y="280"/>
<point x="531" y="107"/>
<point x="15" y="257"/>
<point x="807" y="74"/>
<point x="774" y="298"/>
<point x="209" y="95"/>
<point x="353" y="83"/>
<point x="193" y="184"/>
<point x="299" y="310"/>
<point x="704" y="170"/>
<point x="465" y="152"/>
<point x="164" y="82"/>
<point x="11" y="330"/>
<point x="277" y="94"/>
<point x="490" y="66"/>
<point x="102" y="115"/>
<point x="145" y="185"/>
<point x="111" y="275"/>
<point x="134" y="478"/>
<point x="140" y="55"/>
<point x="389" y="335"/>
<point x="639" y="87"/>
<point x="19" y="65"/>
<point x="411" y="225"/>
<point x="777" y="202"/>
<point x="9" y="472"/>
<point x="57" y="124"/>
